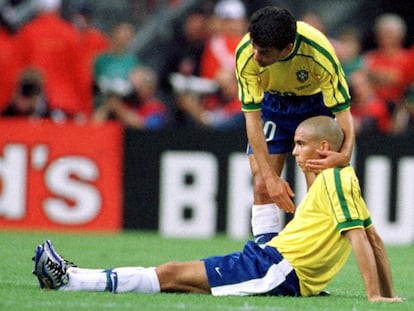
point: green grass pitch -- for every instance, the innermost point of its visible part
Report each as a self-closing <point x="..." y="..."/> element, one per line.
<point x="19" y="289"/>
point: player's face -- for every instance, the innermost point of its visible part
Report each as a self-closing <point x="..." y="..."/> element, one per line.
<point x="267" y="56"/>
<point x="305" y="149"/>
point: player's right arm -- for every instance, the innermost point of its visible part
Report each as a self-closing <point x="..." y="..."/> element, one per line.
<point x="278" y="189"/>
<point x="251" y="94"/>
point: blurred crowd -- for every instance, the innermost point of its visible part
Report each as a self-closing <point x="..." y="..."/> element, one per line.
<point x="67" y="69"/>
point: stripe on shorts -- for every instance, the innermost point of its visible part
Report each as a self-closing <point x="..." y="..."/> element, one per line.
<point x="275" y="276"/>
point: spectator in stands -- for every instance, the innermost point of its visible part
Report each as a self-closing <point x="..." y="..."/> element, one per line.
<point x="388" y="65"/>
<point x="183" y="57"/>
<point x="183" y="52"/>
<point x="113" y="67"/>
<point x="50" y="43"/>
<point x="314" y="19"/>
<point x="29" y="99"/>
<point x="403" y="121"/>
<point x="9" y="66"/>
<point x="349" y="51"/>
<point x="221" y="110"/>
<point x="186" y="47"/>
<point x="139" y="109"/>
<point x="407" y="115"/>
<point x="369" y="111"/>
<point x="93" y="42"/>
<point x="230" y="23"/>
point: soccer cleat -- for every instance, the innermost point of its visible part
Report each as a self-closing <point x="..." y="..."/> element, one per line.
<point x="50" y="268"/>
<point x="324" y="293"/>
<point x="65" y="263"/>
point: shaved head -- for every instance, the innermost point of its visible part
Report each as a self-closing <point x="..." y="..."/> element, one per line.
<point x="324" y="128"/>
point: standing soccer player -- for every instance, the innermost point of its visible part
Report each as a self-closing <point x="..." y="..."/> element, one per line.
<point x="287" y="72"/>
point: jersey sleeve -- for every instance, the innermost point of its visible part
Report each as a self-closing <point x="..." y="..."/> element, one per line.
<point x="251" y="92"/>
<point x="334" y="88"/>
<point x="347" y="205"/>
<point x="330" y="74"/>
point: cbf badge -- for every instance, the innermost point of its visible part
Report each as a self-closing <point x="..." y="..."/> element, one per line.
<point x="302" y="75"/>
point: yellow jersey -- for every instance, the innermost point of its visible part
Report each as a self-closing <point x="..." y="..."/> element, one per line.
<point x="312" y="241"/>
<point x="310" y="68"/>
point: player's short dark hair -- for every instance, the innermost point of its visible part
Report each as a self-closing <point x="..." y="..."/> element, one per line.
<point x="272" y="27"/>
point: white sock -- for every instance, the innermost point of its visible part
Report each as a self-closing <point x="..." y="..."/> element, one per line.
<point x="78" y="270"/>
<point x="129" y="279"/>
<point x="86" y="280"/>
<point x="265" y="219"/>
<point x="140" y="280"/>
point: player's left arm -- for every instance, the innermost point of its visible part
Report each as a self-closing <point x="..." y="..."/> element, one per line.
<point x="345" y="121"/>
<point x="336" y="96"/>
<point x="366" y="259"/>
<point x="382" y="261"/>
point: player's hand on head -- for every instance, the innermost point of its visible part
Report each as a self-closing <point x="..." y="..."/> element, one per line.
<point x="329" y="159"/>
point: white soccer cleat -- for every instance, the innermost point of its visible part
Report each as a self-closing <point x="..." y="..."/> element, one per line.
<point x="50" y="268"/>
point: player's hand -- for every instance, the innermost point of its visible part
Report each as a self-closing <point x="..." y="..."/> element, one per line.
<point x="281" y="193"/>
<point x="329" y="159"/>
<point x="386" y="299"/>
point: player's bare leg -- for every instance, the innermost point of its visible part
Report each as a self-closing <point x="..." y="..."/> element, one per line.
<point x="277" y="162"/>
<point x="265" y="214"/>
<point x="189" y="277"/>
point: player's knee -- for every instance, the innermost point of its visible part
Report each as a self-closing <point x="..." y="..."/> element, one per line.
<point x="260" y="188"/>
<point x="167" y="275"/>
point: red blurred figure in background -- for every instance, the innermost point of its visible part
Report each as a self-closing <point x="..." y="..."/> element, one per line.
<point x="9" y="66"/>
<point x="93" y="42"/>
<point x="50" y="43"/>
<point x="229" y="25"/>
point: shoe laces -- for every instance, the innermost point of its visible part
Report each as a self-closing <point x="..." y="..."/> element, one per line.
<point x="56" y="271"/>
<point x="69" y="264"/>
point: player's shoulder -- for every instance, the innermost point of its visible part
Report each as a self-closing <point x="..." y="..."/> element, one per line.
<point x="338" y="174"/>
<point x="312" y="35"/>
<point x="244" y="46"/>
<point x="307" y="30"/>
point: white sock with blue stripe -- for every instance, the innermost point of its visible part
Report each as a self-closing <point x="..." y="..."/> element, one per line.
<point x="140" y="280"/>
<point x="128" y="279"/>
<point x="265" y="222"/>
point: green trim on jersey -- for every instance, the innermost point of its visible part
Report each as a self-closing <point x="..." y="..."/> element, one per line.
<point x="241" y="48"/>
<point x="350" y="224"/>
<point x="341" y="197"/>
<point x="252" y="106"/>
<point x="368" y="222"/>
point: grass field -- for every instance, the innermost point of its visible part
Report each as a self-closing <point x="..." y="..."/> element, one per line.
<point x="19" y="290"/>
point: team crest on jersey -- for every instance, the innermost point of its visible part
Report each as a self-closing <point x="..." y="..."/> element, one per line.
<point x="302" y="75"/>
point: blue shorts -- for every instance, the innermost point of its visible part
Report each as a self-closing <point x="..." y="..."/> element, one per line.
<point x="257" y="270"/>
<point x="281" y="116"/>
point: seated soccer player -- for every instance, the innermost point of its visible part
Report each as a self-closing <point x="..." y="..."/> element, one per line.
<point x="300" y="261"/>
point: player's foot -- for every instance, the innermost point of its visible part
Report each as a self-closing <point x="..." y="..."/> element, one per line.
<point x="50" y="268"/>
<point x="324" y="293"/>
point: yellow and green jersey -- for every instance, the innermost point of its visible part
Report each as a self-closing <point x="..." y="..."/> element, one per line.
<point x="310" y="68"/>
<point x="313" y="241"/>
